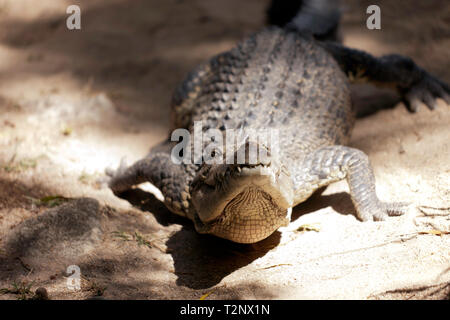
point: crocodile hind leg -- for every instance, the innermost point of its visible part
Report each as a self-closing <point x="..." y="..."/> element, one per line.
<point x="333" y="163"/>
<point x="414" y="84"/>
<point x="157" y="168"/>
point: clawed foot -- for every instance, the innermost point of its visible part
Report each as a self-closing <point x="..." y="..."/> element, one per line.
<point x="385" y="210"/>
<point x="110" y="173"/>
<point x="426" y="91"/>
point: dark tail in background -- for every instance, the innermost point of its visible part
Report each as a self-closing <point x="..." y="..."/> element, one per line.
<point x="317" y="17"/>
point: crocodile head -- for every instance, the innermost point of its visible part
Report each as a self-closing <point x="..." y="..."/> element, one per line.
<point x="245" y="202"/>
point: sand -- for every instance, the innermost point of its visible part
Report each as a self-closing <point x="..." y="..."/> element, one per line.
<point x="75" y="102"/>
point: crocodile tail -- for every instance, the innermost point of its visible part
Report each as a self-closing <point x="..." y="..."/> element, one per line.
<point x="317" y="17"/>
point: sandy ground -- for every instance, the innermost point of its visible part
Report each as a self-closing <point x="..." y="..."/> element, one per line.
<point x="75" y="102"/>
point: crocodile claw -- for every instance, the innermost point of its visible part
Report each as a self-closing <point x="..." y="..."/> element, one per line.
<point x="426" y="91"/>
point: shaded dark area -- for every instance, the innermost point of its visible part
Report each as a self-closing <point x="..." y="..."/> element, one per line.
<point x="47" y="233"/>
<point x="435" y="292"/>
<point x="281" y="12"/>
<point x="340" y="202"/>
<point x="147" y="202"/>
<point x="135" y="68"/>
<point x="129" y="56"/>
<point x="200" y="261"/>
<point x="368" y="100"/>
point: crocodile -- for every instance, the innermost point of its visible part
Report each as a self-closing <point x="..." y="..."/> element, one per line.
<point x="285" y="77"/>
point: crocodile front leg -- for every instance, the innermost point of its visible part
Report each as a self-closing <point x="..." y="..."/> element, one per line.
<point x="333" y="163"/>
<point x="157" y="168"/>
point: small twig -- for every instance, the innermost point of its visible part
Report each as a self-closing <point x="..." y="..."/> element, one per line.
<point x="446" y="211"/>
<point x="434" y="232"/>
<point x="276" y="265"/>
<point x="24" y="265"/>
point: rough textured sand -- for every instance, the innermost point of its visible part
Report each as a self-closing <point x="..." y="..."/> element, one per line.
<point x="75" y="102"/>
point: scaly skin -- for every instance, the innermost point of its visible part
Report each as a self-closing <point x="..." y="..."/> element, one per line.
<point x="276" y="79"/>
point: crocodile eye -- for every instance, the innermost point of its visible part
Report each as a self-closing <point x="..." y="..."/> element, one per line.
<point x="216" y="153"/>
